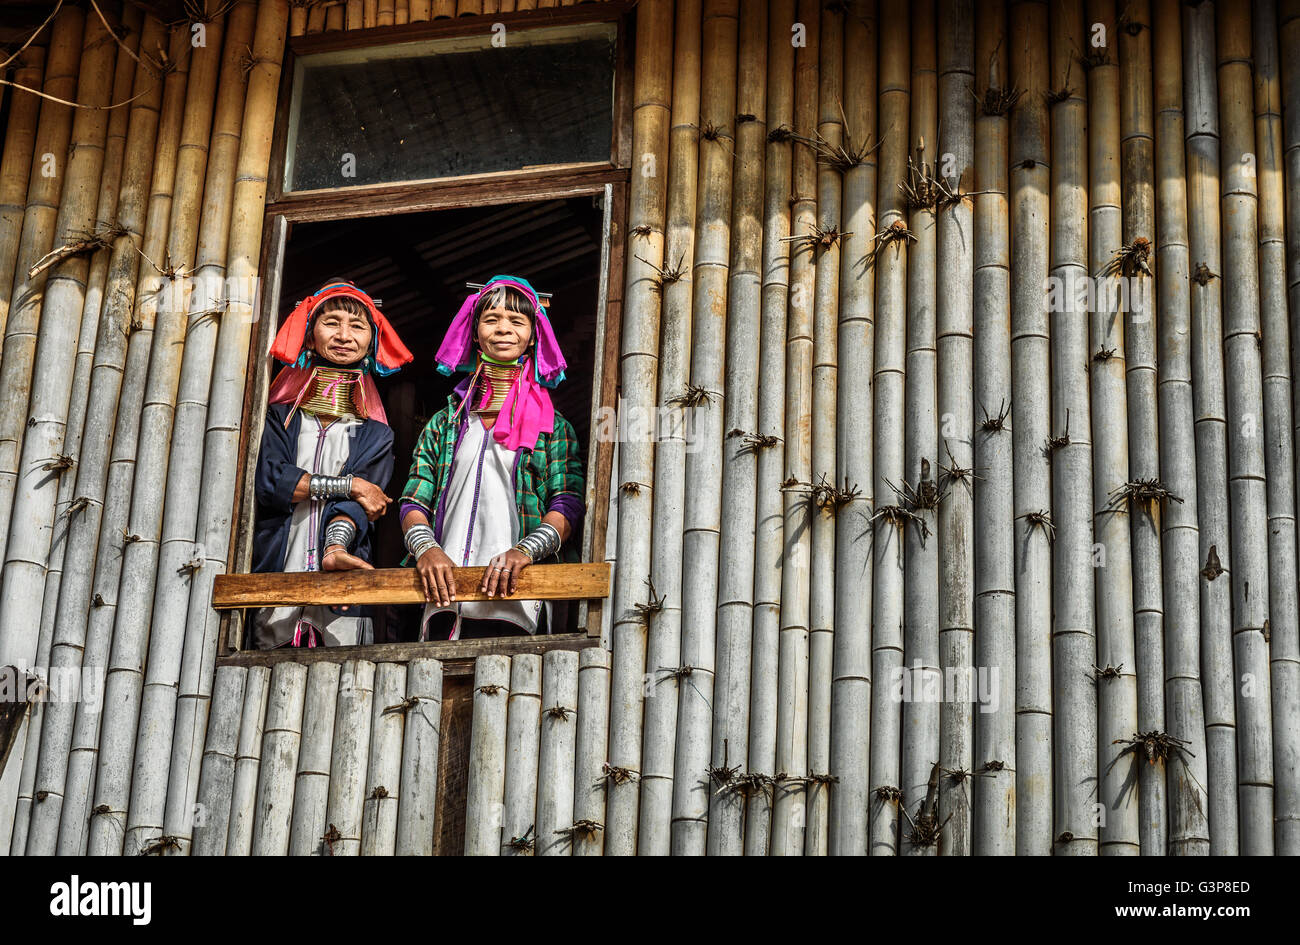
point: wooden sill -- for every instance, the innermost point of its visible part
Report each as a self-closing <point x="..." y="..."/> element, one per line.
<point x="457" y="656"/>
<point x="400" y="586"/>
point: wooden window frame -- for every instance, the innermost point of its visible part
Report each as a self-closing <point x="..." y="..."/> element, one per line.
<point x="282" y="211"/>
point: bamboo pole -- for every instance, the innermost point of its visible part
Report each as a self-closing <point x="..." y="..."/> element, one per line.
<point x="850" y="719"/>
<point x="640" y="334"/>
<point x="334" y="17"/>
<point x="1202" y="146"/>
<point x="248" y="760"/>
<point x="216" y="484"/>
<point x="920" y="443"/>
<point x="1074" y="644"/>
<point x="298" y="17"/>
<point x="1247" y="469"/>
<point x="825" y="380"/>
<point x="664" y="628"/>
<point x="1138" y="165"/>
<point x="316" y="17"/>
<point x="485" y="791"/>
<point x="703" y="514"/>
<point x="769" y="446"/>
<point x="160" y="137"/>
<point x="312" y="784"/>
<point x="50" y="170"/>
<point x="420" y="10"/>
<point x="419" y="788"/>
<point x="87" y="336"/>
<point x="1272" y="137"/>
<point x="955" y="351"/>
<point x="116" y="783"/>
<point x="15" y="168"/>
<point x="402" y="13"/>
<point x="170" y="436"/>
<point x="555" y="754"/>
<point x="56" y="307"/>
<point x="789" y="810"/>
<point x="589" y="750"/>
<point x="523" y="723"/>
<point x="889" y="263"/>
<point x="349" y="754"/>
<point x="739" y="478"/>
<point x="281" y="740"/>
<point x="384" y="772"/>
<point x="1186" y="775"/>
<point x="993" y="791"/>
<point x="219" y="750"/>
<point x="386" y="13"/>
<point x="1031" y="424"/>
<point x="1112" y="548"/>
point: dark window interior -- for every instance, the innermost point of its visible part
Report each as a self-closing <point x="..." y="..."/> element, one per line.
<point x="417" y="264"/>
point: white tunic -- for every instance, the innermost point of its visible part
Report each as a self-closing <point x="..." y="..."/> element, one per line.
<point x="480" y="521"/>
<point x="321" y="449"/>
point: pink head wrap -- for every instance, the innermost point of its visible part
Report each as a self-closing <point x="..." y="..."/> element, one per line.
<point x="527" y="410"/>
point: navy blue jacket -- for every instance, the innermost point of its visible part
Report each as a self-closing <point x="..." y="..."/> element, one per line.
<point x="370" y="458"/>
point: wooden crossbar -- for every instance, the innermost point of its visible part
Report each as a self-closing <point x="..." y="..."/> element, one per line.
<point x="400" y="586"/>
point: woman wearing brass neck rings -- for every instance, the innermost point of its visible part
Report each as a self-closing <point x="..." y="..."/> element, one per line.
<point x="496" y="479"/>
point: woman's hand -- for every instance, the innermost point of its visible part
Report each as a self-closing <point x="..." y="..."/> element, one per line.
<point x="435" y="570"/>
<point x="502" y="572"/>
<point x="370" y="497"/>
<point x="337" y="558"/>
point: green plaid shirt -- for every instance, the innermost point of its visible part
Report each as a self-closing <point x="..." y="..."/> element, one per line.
<point x="552" y="467"/>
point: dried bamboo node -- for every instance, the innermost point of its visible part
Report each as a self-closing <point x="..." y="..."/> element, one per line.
<point x="1265" y="632"/>
<point x="780" y="133"/>
<point x="753" y="442"/>
<point x="1110" y="672"/>
<point x="997" y="100"/>
<point x="840" y="157"/>
<point x="166" y="270"/>
<point x="1213" y="567"/>
<point x="641" y="231"/>
<point x="159" y="845"/>
<point x="1203" y="275"/>
<point x="827" y="497"/>
<point x="998" y="422"/>
<point x="1054" y="96"/>
<point x="817" y="238"/>
<point x="582" y="827"/>
<point x="744" y="118"/>
<point x="669" y="275"/>
<point x="894" y="233"/>
<point x="189" y="567"/>
<point x="722" y="774"/>
<point x="1155" y="746"/>
<point x="1065" y="837"/>
<point x="1056" y="442"/>
<point x="489" y="689"/>
<point x="196" y="12"/>
<point x="887" y="792"/>
<point x="100" y="239"/>
<point x="655" y="605"/>
<point x="98" y="600"/>
<point x="617" y="774"/>
<point x="1130" y="259"/>
<point x="410" y="702"/>
<point x="1144" y="491"/>
<point x="59" y="463"/>
<point x="954" y="473"/>
<point x="926" y="829"/>
<point x="747" y="784"/>
<point x="1101" y="355"/>
<point x="561" y="712"/>
<point x="632" y="488"/>
<point x="1097" y="56"/>
<point x="693" y="396"/>
<point x="40" y="796"/>
<point x="101" y="809"/>
<point x="128" y="538"/>
<point x="525" y="844"/>
<point x="76" y="505"/>
<point x="995" y="765"/>
<point x="331" y="837"/>
<point x="675" y="672"/>
<point x="378" y="794"/>
<point x="1041" y="519"/>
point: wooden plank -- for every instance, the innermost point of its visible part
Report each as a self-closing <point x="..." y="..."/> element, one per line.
<point x="453" y="765"/>
<point x="457" y="656"/>
<point x="399" y="586"/>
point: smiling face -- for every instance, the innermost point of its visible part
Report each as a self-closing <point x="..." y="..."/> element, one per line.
<point x="340" y="336"/>
<point x="504" y="334"/>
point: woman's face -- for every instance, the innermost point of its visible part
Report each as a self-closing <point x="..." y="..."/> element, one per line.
<point x="341" y="337"/>
<point x="503" y="334"/>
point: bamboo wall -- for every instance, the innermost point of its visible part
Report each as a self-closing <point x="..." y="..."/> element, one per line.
<point x="1078" y="514"/>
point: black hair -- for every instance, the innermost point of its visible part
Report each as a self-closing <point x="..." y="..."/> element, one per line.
<point x="511" y="299"/>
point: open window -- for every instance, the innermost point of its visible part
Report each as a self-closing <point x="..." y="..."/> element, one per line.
<point x="445" y="153"/>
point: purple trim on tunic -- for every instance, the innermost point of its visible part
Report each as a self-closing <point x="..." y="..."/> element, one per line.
<point x="571" y="507"/>
<point x="407" y="505"/>
<point x="440" y="511"/>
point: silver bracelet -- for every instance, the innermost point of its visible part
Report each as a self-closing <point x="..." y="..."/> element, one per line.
<point x="340" y="532"/>
<point x="419" y="539"/>
<point x="328" y="487"/>
<point x="540" y="543"/>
